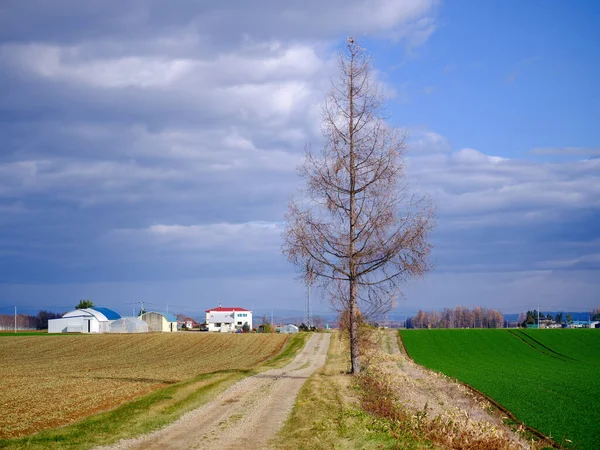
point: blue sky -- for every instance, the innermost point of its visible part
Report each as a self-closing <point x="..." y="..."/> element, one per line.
<point x="148" y="152"/>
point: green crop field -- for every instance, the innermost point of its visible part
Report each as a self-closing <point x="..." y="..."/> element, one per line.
<point x="549" y="379"/>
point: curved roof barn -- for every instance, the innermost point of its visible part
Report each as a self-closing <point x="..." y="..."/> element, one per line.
<point x="101" y="314"/>
<point x="86" y="320"/>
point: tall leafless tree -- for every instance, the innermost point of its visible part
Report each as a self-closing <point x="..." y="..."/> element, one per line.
<point x="358" y="230"/>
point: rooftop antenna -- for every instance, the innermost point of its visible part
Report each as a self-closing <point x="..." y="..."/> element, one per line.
<point x="137" y="303"/>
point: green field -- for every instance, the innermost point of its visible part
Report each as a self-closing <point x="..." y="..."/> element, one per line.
<point x="549" y="379"/>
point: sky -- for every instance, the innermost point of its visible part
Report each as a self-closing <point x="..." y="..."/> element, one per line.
<point x="148" y="150"/>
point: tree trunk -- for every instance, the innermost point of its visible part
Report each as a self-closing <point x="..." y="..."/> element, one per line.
<point x="354" y="345"/>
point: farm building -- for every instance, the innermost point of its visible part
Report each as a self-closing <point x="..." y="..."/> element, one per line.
<point x="128" y="325"/>
<point x="289" y="328"/>
<point x="158" y="321"/>
<point x="88" y="320"/>
<point x="227" y="319"/>
<point x="187" y="322"/>
<point x="583" y="324"/>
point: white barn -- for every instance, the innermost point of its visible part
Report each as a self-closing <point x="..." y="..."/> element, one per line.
<point x="88" y="320"/>
<point x="227" y="319"/>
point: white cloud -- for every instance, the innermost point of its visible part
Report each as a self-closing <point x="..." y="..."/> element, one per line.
<point x="471" y="156"/>
<point x="228" y="238"/>
<point x="476" y="189"/>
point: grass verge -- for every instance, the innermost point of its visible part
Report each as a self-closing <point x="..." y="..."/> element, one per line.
<point x="150" y="412"/>
<point x="328" y="413"/>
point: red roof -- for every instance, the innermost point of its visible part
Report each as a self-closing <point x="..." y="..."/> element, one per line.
<point x="220" y="308"/>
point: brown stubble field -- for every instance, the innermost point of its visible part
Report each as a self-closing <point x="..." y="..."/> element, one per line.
<point x="49" y="381"/>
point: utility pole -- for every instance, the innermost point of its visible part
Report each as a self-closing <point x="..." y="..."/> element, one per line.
<point x="307" y="308"/>
<point x="15" y="319"/>
<point x="310" y="324"/>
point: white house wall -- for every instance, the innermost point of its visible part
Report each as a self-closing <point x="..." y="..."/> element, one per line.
<point x="228" y="320"/>
<point x="242" y="317"/>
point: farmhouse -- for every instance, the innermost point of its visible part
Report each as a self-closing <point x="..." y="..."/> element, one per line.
<point x="187" y="322"/>
<point x="227" y="319"/>
<point x="88" y="320"/>
<point x="158" y="321"/>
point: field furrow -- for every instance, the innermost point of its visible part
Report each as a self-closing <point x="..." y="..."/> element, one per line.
<point x="48" y="381"/>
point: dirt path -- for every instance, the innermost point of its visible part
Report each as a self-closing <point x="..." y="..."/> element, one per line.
<point x="246" y="415"/>
<point x="423" y="390"/>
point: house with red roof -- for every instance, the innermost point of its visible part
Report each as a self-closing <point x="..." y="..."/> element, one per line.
<point x="228" y="319"/>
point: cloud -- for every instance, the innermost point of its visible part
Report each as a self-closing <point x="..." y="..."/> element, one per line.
<point x="218" y="26"/>
<point x="422" y="140"/>
<point x="507" y="214"/>
<point x="565" y="151"/>
<point x="231" y="238"/>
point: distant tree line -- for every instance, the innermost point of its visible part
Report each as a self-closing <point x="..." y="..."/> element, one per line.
<point x="27" y="322"/>
<point x="459" y="317"/>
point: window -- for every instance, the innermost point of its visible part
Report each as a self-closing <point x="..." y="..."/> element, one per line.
<point x="240" y="323"/>
<point x="218" y="324"/>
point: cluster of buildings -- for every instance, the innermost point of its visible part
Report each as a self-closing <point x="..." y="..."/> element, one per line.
<point x="546" y="322"/>
<point x="104" y="320"/>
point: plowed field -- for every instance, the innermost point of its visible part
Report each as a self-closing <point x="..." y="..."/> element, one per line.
<point x="48" y="381"/>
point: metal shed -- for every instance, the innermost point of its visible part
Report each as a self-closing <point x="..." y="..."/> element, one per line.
<point x="158" y="321"/>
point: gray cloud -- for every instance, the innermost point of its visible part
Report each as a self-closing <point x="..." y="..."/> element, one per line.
<point x="216" y="25"/>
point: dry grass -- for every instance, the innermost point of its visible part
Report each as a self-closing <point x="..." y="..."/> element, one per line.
<point x="430" y="405"/>
<point x="328" y="413"/>
<point x="49" y="381"/>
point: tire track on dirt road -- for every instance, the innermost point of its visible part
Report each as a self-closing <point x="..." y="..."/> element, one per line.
<point x="246" y="415"/>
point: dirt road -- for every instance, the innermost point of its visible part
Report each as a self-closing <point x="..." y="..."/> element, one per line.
<point x="246" y="415"/>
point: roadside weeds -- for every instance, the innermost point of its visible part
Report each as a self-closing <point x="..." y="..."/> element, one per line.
<point x="393" y="404"/>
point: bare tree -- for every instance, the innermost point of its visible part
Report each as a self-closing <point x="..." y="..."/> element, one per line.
<point x="358" y="230"/>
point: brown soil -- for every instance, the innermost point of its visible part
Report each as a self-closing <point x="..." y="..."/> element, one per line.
<point x="246" y="415"/>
